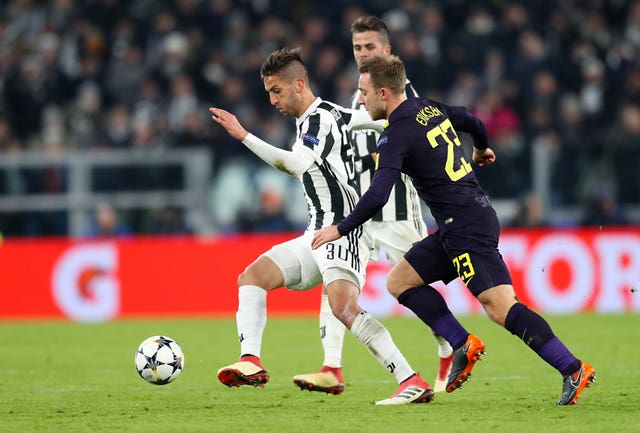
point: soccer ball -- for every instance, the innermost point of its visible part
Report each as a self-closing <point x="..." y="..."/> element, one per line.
<point x="159" y="360"/>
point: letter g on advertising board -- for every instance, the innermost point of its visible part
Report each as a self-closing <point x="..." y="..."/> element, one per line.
<point x="83" y="282"/>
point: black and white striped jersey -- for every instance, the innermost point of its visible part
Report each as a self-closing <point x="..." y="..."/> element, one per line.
<point x="404" y="203"/>
<point x="329" y="184"/>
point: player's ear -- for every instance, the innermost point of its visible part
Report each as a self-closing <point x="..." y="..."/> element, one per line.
<point x="387" y="50"/>
<point x="298" y="85"/>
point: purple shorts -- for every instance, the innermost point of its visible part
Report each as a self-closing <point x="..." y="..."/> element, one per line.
<point x="470" y="255"/>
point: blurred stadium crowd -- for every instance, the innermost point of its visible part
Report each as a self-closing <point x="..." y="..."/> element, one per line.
<point x="561" y="76"/>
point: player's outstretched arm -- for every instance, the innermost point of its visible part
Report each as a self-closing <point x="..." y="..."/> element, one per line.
<point x="324" y="235"/>
<point x="483" y="156"/>
<point x="292" y="163"/>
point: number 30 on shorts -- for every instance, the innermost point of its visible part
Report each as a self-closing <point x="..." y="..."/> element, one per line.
<point x="464" y="267"/>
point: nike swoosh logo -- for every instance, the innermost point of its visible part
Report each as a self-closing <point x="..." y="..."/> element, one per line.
<point x="465" y="348"/>
<point x="576" y="382"/>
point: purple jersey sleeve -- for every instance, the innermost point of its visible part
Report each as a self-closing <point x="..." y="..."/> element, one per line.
<point x="464" y="121"/>
<point x="371" y="201"/>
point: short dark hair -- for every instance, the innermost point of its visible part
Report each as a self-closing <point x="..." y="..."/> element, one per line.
<point x="285" y="61"/>
<point x="370" y="23"/>
<point x="385" y="71"/>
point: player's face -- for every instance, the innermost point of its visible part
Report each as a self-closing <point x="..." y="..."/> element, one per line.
<point x="371" y="98"/>
<point x="282" y="94"/>
<point x="368" y="44"/>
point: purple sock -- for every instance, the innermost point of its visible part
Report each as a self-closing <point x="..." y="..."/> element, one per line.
<point x="558" y="356"/>
<point x="531" y="328"/>
<point x="429" y="305"/>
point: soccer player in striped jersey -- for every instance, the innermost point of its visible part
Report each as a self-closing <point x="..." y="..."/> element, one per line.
<point x="422" y="140"/>
<point x="322" y="158"/>
<point x="396" y="227"/>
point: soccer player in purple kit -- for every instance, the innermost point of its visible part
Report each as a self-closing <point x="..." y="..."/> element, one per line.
<point x="421" y="140"/>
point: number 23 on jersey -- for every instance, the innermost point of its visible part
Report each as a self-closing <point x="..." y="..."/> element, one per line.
<point x="445" y="134"/>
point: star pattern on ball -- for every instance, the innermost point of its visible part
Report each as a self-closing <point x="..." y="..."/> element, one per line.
<point x="152" y="362"/>
<point x="163" y="341"/>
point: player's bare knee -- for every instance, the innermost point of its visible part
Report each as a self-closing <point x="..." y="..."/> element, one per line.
<point x="396" y="287"/>
<point x="245" y="278"/>
<point x="494" y="315"/>
<point x="497" y="304"/>
<point x="264" y="273"/>
<point x="250" y="276"/>
<point x="344" y="311"/>
<point x="401" y="278"/>
<point x="395" y="291"/>
<point x="393" y="285"/>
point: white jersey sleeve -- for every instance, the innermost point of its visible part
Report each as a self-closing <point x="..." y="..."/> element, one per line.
<point x="294" y="162"/>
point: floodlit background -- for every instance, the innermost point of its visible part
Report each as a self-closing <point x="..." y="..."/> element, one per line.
<point x="104" y="124"/>
<point x="122" y="203"/>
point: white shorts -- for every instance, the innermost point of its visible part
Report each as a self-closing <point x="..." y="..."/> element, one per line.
<point x="304" y="268"/>
<point x="396" y="237"/>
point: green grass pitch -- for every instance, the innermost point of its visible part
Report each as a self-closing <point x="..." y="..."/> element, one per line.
<point x="67" y="377"/>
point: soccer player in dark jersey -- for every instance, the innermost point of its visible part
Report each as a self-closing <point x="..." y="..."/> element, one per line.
<point x="322" y="159"/>
<point x="396" y="227"/>
<point x="421" y="140"/>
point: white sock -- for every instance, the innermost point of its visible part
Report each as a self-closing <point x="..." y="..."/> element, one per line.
<point x="251" y="318"/>
<point x="380" y="344"/>
<point x="331" y="334"/>
<point x="444" y="348"/>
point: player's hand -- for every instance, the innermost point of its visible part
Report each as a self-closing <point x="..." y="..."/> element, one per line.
<point x="484" y="156"/>
<point x="229" y="122"/>
<point x="324" y="235"/>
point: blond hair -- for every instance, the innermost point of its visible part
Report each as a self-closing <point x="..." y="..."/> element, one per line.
<point x="385" y="71"/>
